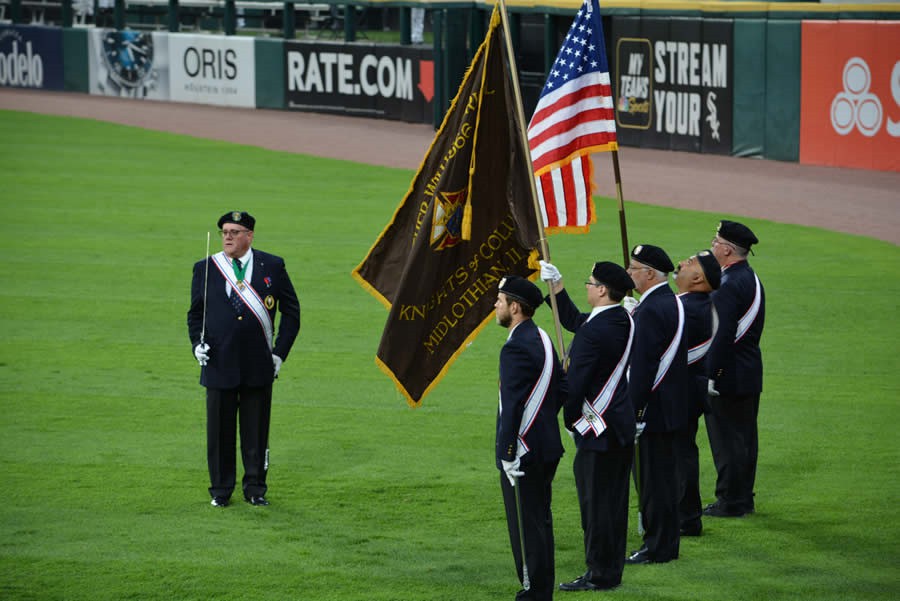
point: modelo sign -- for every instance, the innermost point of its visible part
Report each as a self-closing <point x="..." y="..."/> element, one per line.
<point x="210" y="69"/>
<point x="394" y="82"/>
<point x="31" y="57"/>
<point x="850" y="94"/>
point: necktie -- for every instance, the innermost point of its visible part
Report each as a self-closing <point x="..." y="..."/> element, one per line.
<point x="236" y="301"/>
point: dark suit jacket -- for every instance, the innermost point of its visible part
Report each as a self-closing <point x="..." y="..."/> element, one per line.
<point x="521" y="363"/>
<point x="698" y="324"/>
<point x="736" y="367"/>
<point x="655" y="322"/>
<point x="596" y="350"/>
<point x="238" y="353"/>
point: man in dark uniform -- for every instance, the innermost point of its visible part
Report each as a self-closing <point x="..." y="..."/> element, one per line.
<point x="599" y="414"/>
<point x="734" y="365"/>
<point x="239" y="290"/>
<point x="696" y="277"/>
<point x="658" y="387"/>
<point x="528" y="447"/>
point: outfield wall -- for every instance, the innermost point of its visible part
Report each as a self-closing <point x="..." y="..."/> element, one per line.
<point x="792" y="82"/>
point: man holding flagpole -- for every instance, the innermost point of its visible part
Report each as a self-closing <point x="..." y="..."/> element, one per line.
<point x="231" y="322"/>
<point x="528" y="446"/>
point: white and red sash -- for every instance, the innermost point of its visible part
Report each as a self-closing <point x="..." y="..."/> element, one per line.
<point x="666" y="361"/>
<point x="247" y="294"/>
<point x="592" y="412"/>
<point x="698" y="352"/>
<point x="746" y="321"/>
<point x="536" y="399"/>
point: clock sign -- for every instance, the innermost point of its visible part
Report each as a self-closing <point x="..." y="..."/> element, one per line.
<point x="128" y="55"/>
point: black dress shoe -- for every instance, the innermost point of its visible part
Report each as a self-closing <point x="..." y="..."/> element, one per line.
<point x="219" y="502"/>
<point x="692" y="528"/>
<point x="259" y="501"/>
<point x="583" y="584"/>
<point x="720" y="510"/>
<point x="640" y="556"/>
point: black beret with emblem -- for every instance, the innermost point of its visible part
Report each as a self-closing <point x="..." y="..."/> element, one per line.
<point x="711" y="268"/>
<point x="737" y="233"/>
<point x="612" y="275"/>
<point x="522" y="290"/>
<point x="238" y="217"/>
<point x="653" y="256"/>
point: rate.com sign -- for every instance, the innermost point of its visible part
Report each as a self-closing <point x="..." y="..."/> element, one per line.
<point x="850" y="94"/>
<point x="393" y="82"/>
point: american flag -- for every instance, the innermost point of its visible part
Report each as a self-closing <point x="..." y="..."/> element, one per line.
<point x="574" y="117"/>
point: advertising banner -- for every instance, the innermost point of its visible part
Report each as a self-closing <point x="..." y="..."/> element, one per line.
<point x="132" y="64"/>
<point x="31" y="57"/>
<point x="392" y="82"/>
<point x="674" y="83"/>
<point x="850" y="94"/>
<point x="212" y="69"/>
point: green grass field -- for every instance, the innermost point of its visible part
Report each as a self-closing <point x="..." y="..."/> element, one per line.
<point x="102" y="438"/>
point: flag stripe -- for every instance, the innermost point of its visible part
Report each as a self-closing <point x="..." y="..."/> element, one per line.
<point x="575" y="115"/>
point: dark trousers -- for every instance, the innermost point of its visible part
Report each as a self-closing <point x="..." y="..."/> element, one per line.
<point x="690" y="507"/>
<point x="222" y="408"/>
<point x="536" y="492"/>
<point x="658" y="501"/>
<point x="733" y="439"/>
<point x="601" y="479"/>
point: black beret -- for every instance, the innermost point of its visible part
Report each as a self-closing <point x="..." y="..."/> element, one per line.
<point x="239" y="217"/>
<point x="522" y="290"/>
<point x="711" y="268"/>
<point x="613" y="275"/>
<point x="653" y="256"/>
<point x="736" y="233"/>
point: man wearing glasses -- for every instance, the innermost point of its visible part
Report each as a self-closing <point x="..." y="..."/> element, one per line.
<point x="231" y="322"/>
<point x="734" y="365"/>
<point x="600" y="417"/>
<point x="658" y="385"/>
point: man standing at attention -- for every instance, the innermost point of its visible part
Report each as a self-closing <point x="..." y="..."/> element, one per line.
<point x="734" y="365"/>
<point x="528" y="446"/>
<point x="696" y="277"/>
<point x="600" y="416"/>
<point x="658" y="387"/>
<point x="231" y="322"/>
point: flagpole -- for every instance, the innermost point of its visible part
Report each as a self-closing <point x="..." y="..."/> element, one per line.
<point x="623" y="229"/>
<point x="523" y="140"/>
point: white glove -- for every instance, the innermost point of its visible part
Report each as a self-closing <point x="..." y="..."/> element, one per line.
<point x="549" y="272"/>
<point x="629" y="302"/>
<point x="201" y="351"/>
<point x="711" y="388"/>
<point x="512" y="470"/>
<point x="276" y="361"/>
<point x="639" y="429"/>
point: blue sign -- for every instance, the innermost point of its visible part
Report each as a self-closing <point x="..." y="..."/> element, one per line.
<point x="31" y="57"/>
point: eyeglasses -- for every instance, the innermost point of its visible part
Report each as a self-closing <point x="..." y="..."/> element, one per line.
<point x="636" y="267"/>
<point x="231" y="233"/>
<point x="716" y="240"/>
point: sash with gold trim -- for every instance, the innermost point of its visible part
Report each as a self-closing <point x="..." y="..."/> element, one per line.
<point x="247" y="294"/>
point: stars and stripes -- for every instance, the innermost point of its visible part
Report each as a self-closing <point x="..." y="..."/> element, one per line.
<point x="574" y="117"/>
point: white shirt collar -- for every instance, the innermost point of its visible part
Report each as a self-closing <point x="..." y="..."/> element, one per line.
<point x="598" y="310"/>
<point x="644" y="295"/>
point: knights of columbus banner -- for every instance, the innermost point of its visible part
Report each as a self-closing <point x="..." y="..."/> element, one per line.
<point x="466" y="221"/>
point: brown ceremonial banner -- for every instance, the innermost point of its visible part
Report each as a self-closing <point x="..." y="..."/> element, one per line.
<point x="467" y="220"/>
